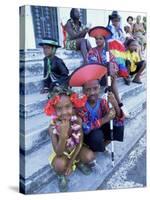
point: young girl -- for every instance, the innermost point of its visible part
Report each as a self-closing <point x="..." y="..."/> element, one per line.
<point x="66" y="135"/>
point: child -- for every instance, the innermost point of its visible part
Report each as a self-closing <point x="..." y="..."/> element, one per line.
<point x="55" y="71"/>
<point x="66" y="135"/>
<point x="115" y="27"/>
<point x="98" y="55"/>
<point x="96" y="113"/>
<point x="134" y="63"/>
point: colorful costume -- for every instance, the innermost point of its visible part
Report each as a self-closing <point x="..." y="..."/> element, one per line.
<point x="117" y="33"/>
<point x="72" y="141"/>
<point x="95" y="134"/>
<point x="68" y="43"/>
<point x="115" y="48"/>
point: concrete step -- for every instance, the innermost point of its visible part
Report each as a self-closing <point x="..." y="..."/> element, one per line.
<point x="37" y="54"/>
<point x="36" y="137"/>
<point x="31" y="68"/>
<point x="34" y="103"/>
<point x="33" y="84"/>
<point x="32" y="65"/>
<point x="37" y="172"/>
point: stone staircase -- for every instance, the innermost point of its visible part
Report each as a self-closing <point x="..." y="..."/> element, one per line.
<point x="36" y="175"/>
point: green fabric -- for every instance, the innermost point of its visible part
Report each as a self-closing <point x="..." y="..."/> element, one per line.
<point x="49" y="68"/>
<point x="62" y="183"/>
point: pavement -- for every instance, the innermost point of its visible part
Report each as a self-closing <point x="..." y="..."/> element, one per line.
<point x="131" y="173"/>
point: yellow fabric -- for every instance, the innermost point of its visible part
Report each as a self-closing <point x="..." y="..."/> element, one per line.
<point x="133" y="57"/>
<point x="68" y="155"/>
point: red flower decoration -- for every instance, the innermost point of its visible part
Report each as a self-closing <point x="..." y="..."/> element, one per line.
<point x="49" y="108"/>
<point x="77" y="101"/>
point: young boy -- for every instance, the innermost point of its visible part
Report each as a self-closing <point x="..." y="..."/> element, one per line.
<point x="96" y="113"/>
<point x="55" y="71"/>
<point x="134" y="63"/>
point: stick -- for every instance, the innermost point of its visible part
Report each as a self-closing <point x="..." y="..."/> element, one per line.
<point x="110" y="106"/>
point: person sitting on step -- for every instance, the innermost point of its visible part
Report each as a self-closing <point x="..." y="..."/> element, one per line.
<point x="65" y="131"/>
<point x="133" y="61"/>
<point x="96" y="113"/>
<point x="55" y="70"/>
<point x="75" y="39"/>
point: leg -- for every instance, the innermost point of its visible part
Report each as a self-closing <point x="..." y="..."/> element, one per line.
<point x="88" y="45"/>
<point x="59" y="164"/>
<point x="86" y="155"/>
<point x="115" y="89"/>
<point x="140" y="68"/>
<point x="82" y="46"/>
<point x="95" y="140"/>
<point x="86" y="159"/>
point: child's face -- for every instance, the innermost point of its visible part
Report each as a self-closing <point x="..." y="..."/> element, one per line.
<point x="116" y="22"/>
<point x="48" y="50"/>
<point x="100" y="41"/>
<point x="64" y="108"/>
<point x="92" y="89"/>
<point x="133" y="46"/>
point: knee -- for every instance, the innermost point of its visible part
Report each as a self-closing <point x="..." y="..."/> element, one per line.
<point x="144" y="64"/>
<point x="59" y="164"/>
<point x="90" y="156"/>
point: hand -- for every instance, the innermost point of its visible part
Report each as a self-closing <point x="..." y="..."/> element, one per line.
<point x="44" y="90"/>
<point x="64" y="129"/>
<point x="112" y="99"/>
<point x="111" y="114"/>
<point x="69" y="169"/>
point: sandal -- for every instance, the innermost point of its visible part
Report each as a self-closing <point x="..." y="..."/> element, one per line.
<point x="137" y="81"/>
<point x="127" y="81"/>
<point x="62" y="183"/>
<point x="84" y="169"/>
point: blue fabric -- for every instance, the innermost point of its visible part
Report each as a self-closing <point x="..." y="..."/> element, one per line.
<point x="93" y="116"/>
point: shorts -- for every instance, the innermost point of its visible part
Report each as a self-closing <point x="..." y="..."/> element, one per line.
<point x="138" y="67"/>
<point x="97" y="137"/>
<point x="53" y="155"/>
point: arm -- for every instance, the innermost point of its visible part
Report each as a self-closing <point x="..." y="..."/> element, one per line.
<point x="63" y="71"/>
<point x="77" y="150"/>
<point x="59" y="141"/>
<point x="114" y="103"/>
<point x="58" y="145"/>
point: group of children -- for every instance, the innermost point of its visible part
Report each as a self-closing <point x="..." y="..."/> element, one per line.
<point x="80" y="122"/>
